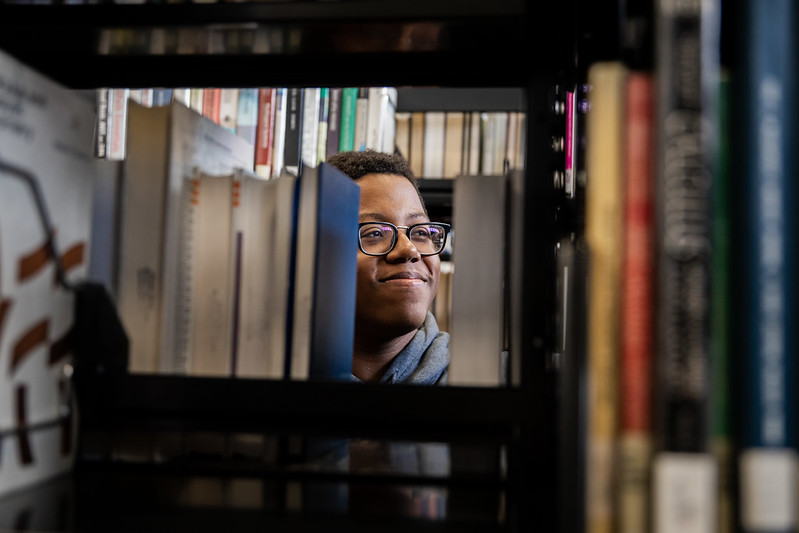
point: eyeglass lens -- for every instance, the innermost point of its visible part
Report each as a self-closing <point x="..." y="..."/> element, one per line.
<point x="379" y="238"/>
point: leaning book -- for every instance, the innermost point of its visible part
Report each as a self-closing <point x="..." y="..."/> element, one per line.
<point x="165" y="144"/>
<point x="46" y="142"/>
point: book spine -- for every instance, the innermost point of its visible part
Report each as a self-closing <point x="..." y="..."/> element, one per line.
<point x="373" y="118"/>
<point x="475" y="143"/>
<point x="228" y="108"/>
<point x="279" y="135"/>
<point x="182" y="95"/>
<point x="510" y="143"/>
<point x="264" y="136"/>
<point x="311" y="102"/>
<point x="767" y="270"/>
<point x="416" y="157"/>
<point x="603" y="233"/>
<point x="247" y="115"/>
<point x="333" y="322"/>
<point x="211" y="102"/>
<point x="500" y="141"/>
<point x="162" y="97"/>
<point x="361" y="119"/>
<point x="433" y="149"/>
<point x="637" y="321"/>
<point x="324" y="117"/>
<point x="687" y="59"/>
<point x="403" y="134"/>
<point x="453" y="144"/>
<point x="118" y="122"/>
<point x="292" y="151"/>
<point x="487" y="143"/>
<point x="349" y="96"/>
<point x="101" y="128"/>
<point x="196" y="99"/>
<point x="334" y="121"/>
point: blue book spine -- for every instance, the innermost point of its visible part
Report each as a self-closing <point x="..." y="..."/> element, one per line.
<point x="333" y="320"/>
<point x="765" y="314"/>
<point x="162" y="97"/>
<point x="247" y="114"/>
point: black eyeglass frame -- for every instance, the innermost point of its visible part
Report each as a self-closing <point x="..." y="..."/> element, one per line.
<point x="447" y="228"/>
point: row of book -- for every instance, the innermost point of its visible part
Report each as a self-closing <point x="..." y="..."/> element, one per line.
<point x="217" y="272"/>
<point x="446" y="144"/>
<point x="287" y="126"/>
<point x="690" y="295"/>
<point x="187" y="40"/>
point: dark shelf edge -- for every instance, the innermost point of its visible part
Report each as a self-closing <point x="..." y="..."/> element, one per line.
<point x="323" y="408"/>
<point x="148" y="14"/>
<point x="305" y="70"/>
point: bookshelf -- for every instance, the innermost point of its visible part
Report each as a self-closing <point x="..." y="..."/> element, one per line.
<point x="480" y="44"/>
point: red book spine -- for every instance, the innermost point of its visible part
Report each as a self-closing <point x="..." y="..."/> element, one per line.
<point x="212" y="99"/>
<point x="265" y="129"/>
<point x="637" y="320"/>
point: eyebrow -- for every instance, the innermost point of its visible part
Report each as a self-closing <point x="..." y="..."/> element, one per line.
<point x="381" y="217"/>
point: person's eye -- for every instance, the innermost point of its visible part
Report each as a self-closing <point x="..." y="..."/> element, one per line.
<point x="421" y="233"/>
<point x="374" y="233"/>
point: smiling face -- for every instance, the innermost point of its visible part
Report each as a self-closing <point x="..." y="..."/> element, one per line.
<point x="395" y="290"/>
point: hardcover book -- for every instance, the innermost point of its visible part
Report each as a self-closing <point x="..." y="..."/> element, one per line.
<point x="433" y="144"/>
<point x="229" y="108"/>
<point x="603" y="234"/>
<point x="165" y="144"/>
<point x="311" y="102"/>
<point x="453" y="143"/>
<point x="687" y="44"/>
<point x="324" y="118"/>
<point x="334" y="121"/>
<point x="265" y="131"/>
<point x="765" y="275"/>
<point x="204" y="319"/>
<point x="349" y="98"/>
<point x="292" y="148"/>
<point x="477" y="317"/>
<point x="262" y="233"/>
<point x="637" y="304"/>
<point x="361" y="119"/>
<point x="247" y="114"/>
<point x="380" y="122"/>
<point x="324" y="313"/>
<point x="279" y="135"/>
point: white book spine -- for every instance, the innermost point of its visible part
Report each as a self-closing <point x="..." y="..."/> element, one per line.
<point x="434" y="134"/>
<point x="310" y="125"/>
<point x="279" y="141"/>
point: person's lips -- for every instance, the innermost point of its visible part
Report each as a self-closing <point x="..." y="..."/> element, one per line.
<point x="405" y="276"/>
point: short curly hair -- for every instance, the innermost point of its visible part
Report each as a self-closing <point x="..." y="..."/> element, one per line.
<point x="357" y="164"/>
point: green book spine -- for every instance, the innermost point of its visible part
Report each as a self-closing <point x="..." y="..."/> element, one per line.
<point x="349" y="97"/>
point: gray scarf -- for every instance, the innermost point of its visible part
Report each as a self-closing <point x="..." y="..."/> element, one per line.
<point x="424" y="361"/>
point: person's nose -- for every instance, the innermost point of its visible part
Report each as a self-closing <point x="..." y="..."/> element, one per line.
<point x="404" y="250"/>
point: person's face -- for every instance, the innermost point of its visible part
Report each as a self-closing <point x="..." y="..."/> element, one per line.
<point x="394" y="290"/>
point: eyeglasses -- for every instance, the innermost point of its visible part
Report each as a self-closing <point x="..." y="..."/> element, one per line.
<point x="379" y="238"/>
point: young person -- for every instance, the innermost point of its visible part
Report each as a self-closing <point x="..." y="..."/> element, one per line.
<point x="397" y="339"/>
